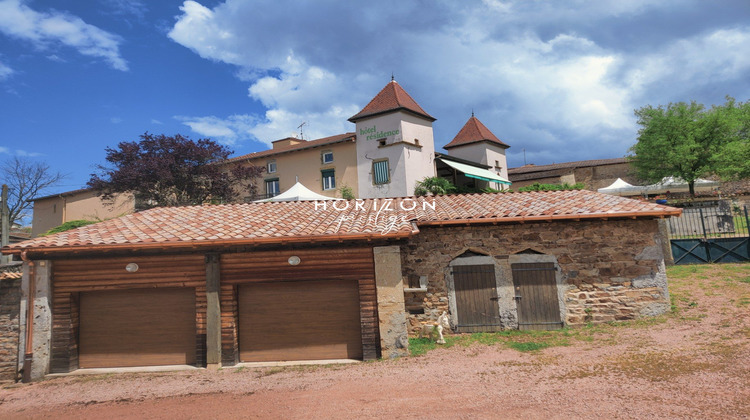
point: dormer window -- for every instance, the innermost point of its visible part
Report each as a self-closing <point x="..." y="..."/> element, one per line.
<point x="271" y="166"/>
<point x="327" y="157"/>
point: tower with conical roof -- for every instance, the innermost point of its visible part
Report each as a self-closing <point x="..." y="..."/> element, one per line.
<point x="395" y="145"/>
<point x="476" y="143"/>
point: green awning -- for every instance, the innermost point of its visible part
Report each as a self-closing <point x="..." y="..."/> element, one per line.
<point x="477" y="173"/>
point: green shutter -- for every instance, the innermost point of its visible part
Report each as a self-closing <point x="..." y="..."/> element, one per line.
<point x="380" y="172"/>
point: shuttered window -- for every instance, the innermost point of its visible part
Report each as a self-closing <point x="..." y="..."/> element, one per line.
<point x="272" y="187"/>
<point x="329" y="179"/>
<point x="380" y="174"/>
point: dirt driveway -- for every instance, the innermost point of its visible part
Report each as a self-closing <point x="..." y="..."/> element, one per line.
<point x="693" y="363"/>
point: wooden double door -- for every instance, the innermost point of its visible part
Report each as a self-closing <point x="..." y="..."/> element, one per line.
<point x="536" y="297"/>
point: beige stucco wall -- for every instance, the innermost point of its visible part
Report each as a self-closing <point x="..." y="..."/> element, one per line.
<point x="484" y="153"/>
<point x="85" y="205"/>
<point x="408" y="161"/>
<point x="307" y="164"/>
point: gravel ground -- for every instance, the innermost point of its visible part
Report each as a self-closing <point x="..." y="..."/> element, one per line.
<point x="694" y="363"/>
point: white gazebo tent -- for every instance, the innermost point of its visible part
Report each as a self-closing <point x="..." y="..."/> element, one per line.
<point x="298" y="192"/>
<point x="675" y="184"/>
<point x="622" y="188"/>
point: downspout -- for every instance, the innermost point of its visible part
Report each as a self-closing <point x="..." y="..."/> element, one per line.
<point x="29" y="348"/>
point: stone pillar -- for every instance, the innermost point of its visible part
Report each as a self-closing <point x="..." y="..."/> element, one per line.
<point x="391" y="310"/>
<point x="666" y="244"/>
<point x="42" y="322"/>
<point x="213" y="312"/>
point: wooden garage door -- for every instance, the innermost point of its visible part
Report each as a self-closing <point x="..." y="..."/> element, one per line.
<point x="301" y="320"/>
<point x="137" y="327"/>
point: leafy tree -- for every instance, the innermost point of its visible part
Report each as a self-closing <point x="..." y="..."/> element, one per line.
<point x="733" y="160"/>
<point x="26" y="180"/>
<point x="434" y="186"/>
<point x="173" y="171"/>
<point x="679" y="140"/>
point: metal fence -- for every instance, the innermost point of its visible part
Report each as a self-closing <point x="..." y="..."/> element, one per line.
<point x="710" y="233"/>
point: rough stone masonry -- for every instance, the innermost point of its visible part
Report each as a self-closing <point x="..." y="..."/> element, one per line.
<point x="608" y="270"/>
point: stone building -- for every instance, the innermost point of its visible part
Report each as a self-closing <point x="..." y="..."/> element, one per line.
<point x="259" y="282"/>
<point x="10" y="302"/>
<point x="594" y="174"/>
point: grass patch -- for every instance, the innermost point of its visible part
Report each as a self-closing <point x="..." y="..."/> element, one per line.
<point x="528" y="346"/>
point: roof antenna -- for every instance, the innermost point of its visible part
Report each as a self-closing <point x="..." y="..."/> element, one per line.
<point x="472" y="112"/>
<point x="393" y="78"/>
<point x="301" y="136"/>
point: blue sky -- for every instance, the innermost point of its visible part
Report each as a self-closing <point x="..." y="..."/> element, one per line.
<point x="559" y="79"/>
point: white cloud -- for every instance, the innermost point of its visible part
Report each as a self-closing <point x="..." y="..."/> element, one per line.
<point x="46" y="29"/>
<point x="155" y="121"/>
<point x="227" y="130"/>
<point x="20" y="152"/>
<point x="5" y="71"/>
<point x="545" y="75"/>
<point x="116" y="120"/>
<point x="4" y="150"/>
<point x="127" y="7"/>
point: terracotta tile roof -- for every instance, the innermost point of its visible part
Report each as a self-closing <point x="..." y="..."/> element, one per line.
<point x="301" y="221"/>
<point x="473" y="132"/>
<point x="392" y="98"/>
<point x="338" y="138"/>
<point x="565" y="165"/>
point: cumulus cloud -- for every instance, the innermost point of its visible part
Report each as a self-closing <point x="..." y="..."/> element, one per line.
<point x="552" y="78"/>
<point x="46" y="30"/>
<point x="225" y="130"/>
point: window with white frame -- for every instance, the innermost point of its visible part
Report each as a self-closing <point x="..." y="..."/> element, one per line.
<point x="272" y="187"/>
<point x="329" y="179"/>
<point x="271" y="166"/>
<point x="380" y="173"/>
<point x="327" y="157"/>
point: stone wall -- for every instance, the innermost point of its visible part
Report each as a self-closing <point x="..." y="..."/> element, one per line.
<point x="10" y="305"/>
<point x="607" y="270"/>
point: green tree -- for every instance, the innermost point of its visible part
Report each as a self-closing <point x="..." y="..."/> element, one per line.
<point x="681" y="140"/>
<point x="434" y="186"/>
<point x="733" y="160"/>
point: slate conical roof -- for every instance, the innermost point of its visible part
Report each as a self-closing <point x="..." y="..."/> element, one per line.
<point x="472" y="132"/>
<point x="392" y="98"/>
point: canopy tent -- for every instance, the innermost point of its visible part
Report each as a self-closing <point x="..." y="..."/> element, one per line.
<point x="477" y="173"/>
<point x="668" y="184"/>
<point x="622" y="188"/>
<point x="298" y="192"/>
<point x="676" y="184"/>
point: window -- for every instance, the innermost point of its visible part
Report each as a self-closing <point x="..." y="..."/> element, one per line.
<point x="329" y="179"/>
<point x="272" y="187"/>
<point x="271" y="166"/>
<point x="380" y="173"/>
<point x="327" y="157"/>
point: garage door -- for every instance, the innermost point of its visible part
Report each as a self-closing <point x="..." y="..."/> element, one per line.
<point x="306" y="320"/>
<point x="139" y="327"/>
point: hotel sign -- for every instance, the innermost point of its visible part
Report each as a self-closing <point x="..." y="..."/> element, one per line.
<point x="372" y="133"/>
